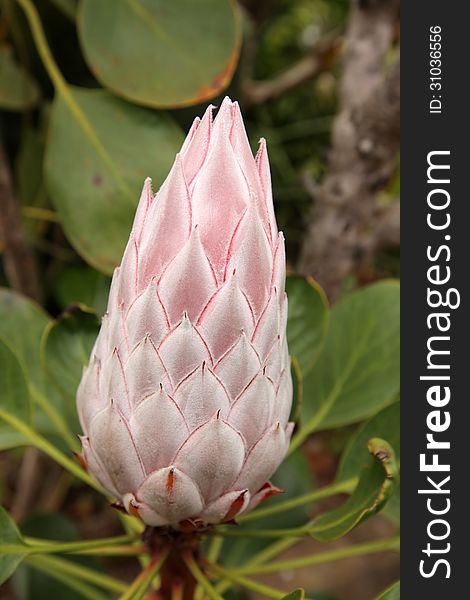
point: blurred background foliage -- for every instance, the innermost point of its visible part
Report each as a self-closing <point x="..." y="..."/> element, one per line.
<point x="82" y="125"/>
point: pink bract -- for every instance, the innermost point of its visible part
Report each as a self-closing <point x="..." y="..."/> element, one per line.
<point x="185" y="403"/>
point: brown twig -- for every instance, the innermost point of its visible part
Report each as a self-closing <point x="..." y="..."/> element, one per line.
<point x="365" y="140"/>
<point x="18" y="259"/>
<point x="315" y="62"/>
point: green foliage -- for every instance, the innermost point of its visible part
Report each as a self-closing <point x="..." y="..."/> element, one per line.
<point x="134" y="48"/>
<point x="307" y="320"/>
<point x="9" y="536"/>
<point x="375" y="486"/>
<point x="18" y="91"/>
<point x="357" y="371"/>
<point x="66" y="347"/>
<point x="100" y="150"/>
<point x="385" y="424"/>
<point x="391" y="593"/>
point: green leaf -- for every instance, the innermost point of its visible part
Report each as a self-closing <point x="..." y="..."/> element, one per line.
<point x="298" y="594"/>
<point x="307" y="321"/>
<point x="66" y="348"/>
<point x="391" y="593"/>
<point x="22" y="323"/>
<point x="372" y="492"/>
<point x="357" y="372"/>
<point x="159" y="53"/>
<point x="100" y="149"/>
<point x="82" y="285"/>
<point x="391" y="510"/>
<point x="14" y="392"/>
<point x="385" y="425"/>
<point x="18" y="91"/>
<point x="9" y="536"/>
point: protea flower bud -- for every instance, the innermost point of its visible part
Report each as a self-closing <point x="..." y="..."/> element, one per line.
<point x="186" y="400"/>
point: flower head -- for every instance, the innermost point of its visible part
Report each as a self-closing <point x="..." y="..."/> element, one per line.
<point x="186" y="400"/>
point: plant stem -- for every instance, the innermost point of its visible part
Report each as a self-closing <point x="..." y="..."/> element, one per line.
<point x="325" y="492"/>
<point x="39" y="213"/>
<point x="75" y="584"/>
<point x="324" y="557"/>
<point x="48" y="546"/>
<point x="139" y="586"/>
<point x="296" y="532"/>
<point x="42" y="444"/>
<point x="79" y="571"/>
<point x="261" y="558"/>
<point x="255" y="586"/>
<point x="56" y="419"/>
<point x="201" y="578"/>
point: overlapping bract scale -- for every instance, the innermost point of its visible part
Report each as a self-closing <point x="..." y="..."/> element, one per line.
<point x="185" y="403"/>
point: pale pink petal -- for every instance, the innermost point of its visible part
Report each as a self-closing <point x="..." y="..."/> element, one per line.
<point x="189" y="137"/>
<point x="227" y="507"/>
<point x="113" y="385"/>
<point x="265" y="176"/>
<point x="96" y="468"/>
<point x="112" y="442"/>
<point x="273" y="365"/>
<point x="182" y="351"/>
<point x="146" y="199"/>
<point x="212" y="456"/>
<point x="238" y="366"/>
<point x="144" y="372"/>
<point x="159" y="428"/>
<point x="219" y="199"/>
<point x="143" y="510"/>
<point x="195" y="151"/>
<point x="200" y="396"/>
<point x="225" y="317"/>
<point x="251" y="413"/>
<point x="250" y="247"/>
<point x="188" y="282"/>
<point x="172" y="494"/>
<point x="279" y="266"/>
<point x="128" y="276"/>
<point x="263" y="459"/>
<point x="263" y="494"/>
<point x="284" y="397"/>
<point x="89" y="402"/>
<point x="146" y="317"/>
<point x="169" y="226"/>
<point x="267" y="328"/>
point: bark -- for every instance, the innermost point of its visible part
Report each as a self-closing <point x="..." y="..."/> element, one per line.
<point x="343" y="230"/>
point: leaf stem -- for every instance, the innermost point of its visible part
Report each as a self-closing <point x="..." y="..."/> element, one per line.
<point x="254" y="586"/>
<point x="42" y="444"/>
<point x="261" y="534"/>
<point x="324" y="557"/>
<point x="139" y="586"/>
<point x="79" y="586"/>
<point x="56" y="419"/>
<point x="36" y="545"/>
<point x="39" y="213"/>
<point x="79" y="571"/>
<point x="325" y="492"/>
<point x="201" y="578"/>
